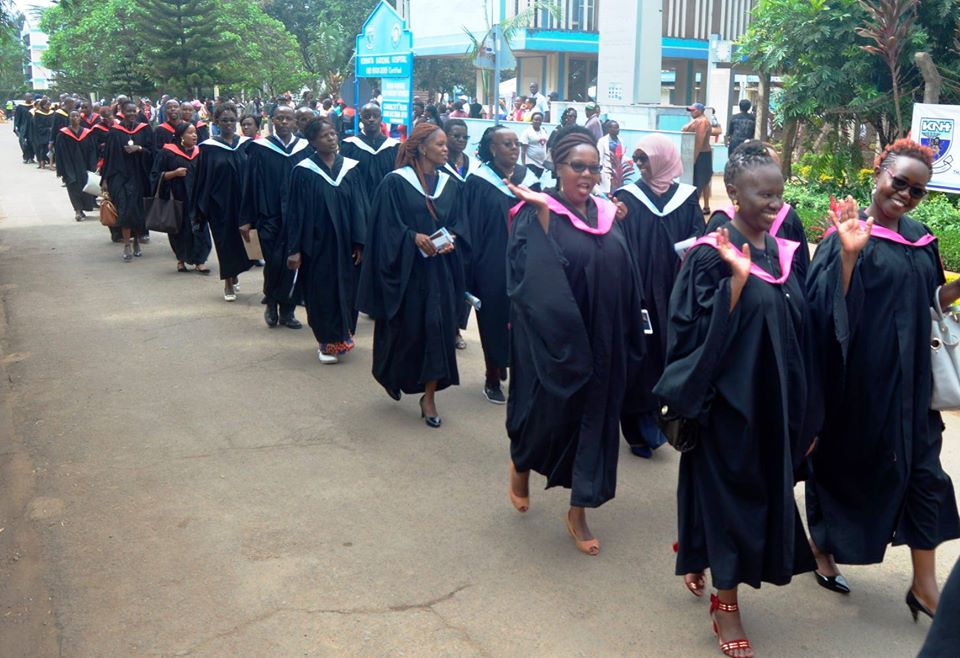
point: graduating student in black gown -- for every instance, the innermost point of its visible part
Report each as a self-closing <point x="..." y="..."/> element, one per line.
<point x="576" y="336"/>
<point x="217" y="195"/>
<point x="786" y="225"/>
<point x="326" y="228"/>
<point x="376" y="153"/>
<point x="188" y="115"/>
<point x="176" y="164"/>
<point x="22" y="121"/>
<point x="77" y="155"/>
<point x="740" y="366"/>
<point x="662" y="212"/>
<point x="266" y="180"/>
<point x="877" y="476"/>
<point x="459" y="166"/>
<point x="41" y="131"/>
<point x="61" y="119"/>
<point x="166" y="132"/>
<point x="128" y="159"/>
<point x="413" y="298"/>
<point x="481" y="228"/>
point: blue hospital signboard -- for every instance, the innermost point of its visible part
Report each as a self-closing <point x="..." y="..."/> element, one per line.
<point x="385" y="50"/>
<point x="935" y="126"/>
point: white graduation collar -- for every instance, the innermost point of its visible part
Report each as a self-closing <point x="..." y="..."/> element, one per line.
<point x="217" y="142"/>
<point x="681" y="194"/>
<point x="472" y="165"/>
<point x="408" y="174"/>
<point x="297" y="145"/>
<point x="487" y="173"/>
<point x="348" y="164"/>
<point x="363" y="146"/>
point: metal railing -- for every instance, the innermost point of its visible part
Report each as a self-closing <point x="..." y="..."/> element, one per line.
<point x="574" y="15"/>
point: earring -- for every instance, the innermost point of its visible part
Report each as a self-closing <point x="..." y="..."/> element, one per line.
<point x="736" y="206"/>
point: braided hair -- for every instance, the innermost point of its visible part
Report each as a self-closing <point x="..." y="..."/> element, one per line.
<point x="569" y="138"/>
<point x="408" y="155"/>
<point x="906" y="148"/>
<point x="484" y="152"/>
<point x="752" y="154"/>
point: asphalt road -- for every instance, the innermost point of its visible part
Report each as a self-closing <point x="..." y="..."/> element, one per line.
<point x="178" y="480"/>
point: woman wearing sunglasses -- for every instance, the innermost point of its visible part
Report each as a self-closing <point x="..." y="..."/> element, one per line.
<point x="576" y="335"/>
<point x="662" y="212"/>
<point x="877" y="477"/>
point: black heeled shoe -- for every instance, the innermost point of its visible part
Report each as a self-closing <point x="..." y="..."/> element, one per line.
<point x="916" y="607"/>
<point x="431" y="421"/>
<point x="833" y="583"/>
<point x="394" y="393"/>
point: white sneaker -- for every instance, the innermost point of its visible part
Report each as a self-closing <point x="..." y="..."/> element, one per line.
<point x="229" y="296"/>
<point x="327" y="359"/>
<point x="236" y="287"/>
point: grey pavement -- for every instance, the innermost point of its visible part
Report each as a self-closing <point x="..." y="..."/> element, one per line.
<point x="178" y="480"/>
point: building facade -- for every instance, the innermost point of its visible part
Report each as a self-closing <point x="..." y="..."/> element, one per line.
<point x="37" y="76"/>
<point x="559" y="51"/>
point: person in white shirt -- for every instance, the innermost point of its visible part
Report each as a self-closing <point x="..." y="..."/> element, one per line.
<point x="533" y="144"/>
<point x="540" y="103"/>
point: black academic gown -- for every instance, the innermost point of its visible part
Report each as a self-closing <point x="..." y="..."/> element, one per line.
<point x="164" y="133"/>
<point x="415" y="301"/>
<point x="877" y="475"/>
<point x="76" y="155"/>
<point x="481" y="229"/>
<point x="41" y="133"/>
<point x="203" y="131"/>
<point x="576" y="341"/>
<point x="377" y="157"/>
<point x="325" y="221"/>
<point x="191" y="244"/>
<point x="266" y="181"/>
<point x="653" y="225"/>
<point x="61" y="119"/>
<point x="100" y="133"/>
<point x="459" y="177"/>
<point x="22" y="123"/>
<point x="217" y="193"/>
<point x="790" y="229"/>
<point x="128" y="174"/>
<point x="746" y="376"/>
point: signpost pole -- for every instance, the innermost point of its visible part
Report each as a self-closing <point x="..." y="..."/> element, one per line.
<point x="497" y="45"/>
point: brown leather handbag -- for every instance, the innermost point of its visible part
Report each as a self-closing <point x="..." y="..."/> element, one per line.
<point x="108" y="211"/>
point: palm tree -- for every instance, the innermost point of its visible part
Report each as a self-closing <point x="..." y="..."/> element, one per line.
<point x="889" y="25"/>
<point x="509" y="27"/>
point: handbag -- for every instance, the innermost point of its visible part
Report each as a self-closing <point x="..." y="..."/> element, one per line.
<point x="93" y="184"/>
<point x="162" y="215"/>
<point x="945" y="356"/>
<point x="682" y="433"/>
<point x="108" y="211"/>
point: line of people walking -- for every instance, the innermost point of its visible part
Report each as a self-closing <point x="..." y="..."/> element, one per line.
<point x="607" y="314"/>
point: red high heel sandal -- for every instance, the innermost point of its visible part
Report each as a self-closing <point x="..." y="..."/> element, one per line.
<point x="734" y="645"/>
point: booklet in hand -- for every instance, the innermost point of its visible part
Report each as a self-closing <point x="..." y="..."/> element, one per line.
<point x="254" y="252"/>
<point x="440" y="239"/>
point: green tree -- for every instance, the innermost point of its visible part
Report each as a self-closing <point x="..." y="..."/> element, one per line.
<point x="12" y="55"/>
<point x="439" y="75"/>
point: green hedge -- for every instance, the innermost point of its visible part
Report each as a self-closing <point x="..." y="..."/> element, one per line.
<point x="936" y="211"/>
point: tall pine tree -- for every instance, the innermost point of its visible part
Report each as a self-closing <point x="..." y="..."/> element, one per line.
<point x="182" y="38"/>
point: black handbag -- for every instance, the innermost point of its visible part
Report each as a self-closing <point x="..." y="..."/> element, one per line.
<point x="682" y="433"/>
<point x="163" y="215"/>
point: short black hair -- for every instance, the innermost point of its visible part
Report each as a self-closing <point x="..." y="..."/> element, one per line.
<point x="182" y="128"/>
<point x="256" y="119"/>
<point x="752" y="154"/>
<point x="449" y="124"/>
<point x="314" y="126"/>
<point x="224" y="107"/>
<point x="745" y="105"/>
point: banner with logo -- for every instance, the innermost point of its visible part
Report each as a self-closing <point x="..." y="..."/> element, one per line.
<point x="935" y="126"/>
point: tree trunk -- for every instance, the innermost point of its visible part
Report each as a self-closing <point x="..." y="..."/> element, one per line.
<point x="931" y="78"/>
<point x="896" y="100"/>
<point x="763" y="110"/>
<point x="789" y="141"/>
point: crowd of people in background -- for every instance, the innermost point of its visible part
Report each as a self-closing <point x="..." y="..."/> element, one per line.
<point x="611" y="308"/>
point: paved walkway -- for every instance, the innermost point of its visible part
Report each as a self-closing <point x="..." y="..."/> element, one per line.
<point x="178" y="480"/>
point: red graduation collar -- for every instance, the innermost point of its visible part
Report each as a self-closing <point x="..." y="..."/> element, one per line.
<point x="83" y="133"/>
<point x="173" y="148"/>
<point x="166" y="126"/>
<point x="120" y="126"/>
<point x="199" y="124"/>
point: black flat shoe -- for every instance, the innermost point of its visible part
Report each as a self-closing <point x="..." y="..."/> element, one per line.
<point x="916" y="607"/>
<point x="271" y="317"/>
<point x="290" y="322"/>
<point x="431" y="421"/>
<point x="833" y="583"/>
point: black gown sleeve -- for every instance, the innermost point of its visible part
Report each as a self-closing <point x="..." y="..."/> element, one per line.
<point x="299" y="191"/>
<point x="700" y="320"/>
<point x="544" y="308"/>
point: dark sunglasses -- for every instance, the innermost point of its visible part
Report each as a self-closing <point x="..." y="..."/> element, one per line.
<point x="580" y="167"/>
<point x="641" y="158"/>
<point x="900" y="183"/>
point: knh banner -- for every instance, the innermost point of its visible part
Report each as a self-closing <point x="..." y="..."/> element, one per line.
<point x="935" y="126"/>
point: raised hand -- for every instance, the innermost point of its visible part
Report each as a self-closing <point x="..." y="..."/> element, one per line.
<point x="739" y="261"/>
<point x="853" y="237"/>
<point x="523" y="193"/>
